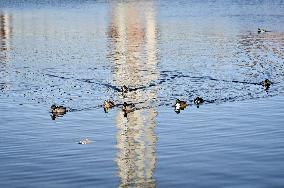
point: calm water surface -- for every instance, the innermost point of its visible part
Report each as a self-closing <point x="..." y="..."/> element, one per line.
<point x="80" y="53"/>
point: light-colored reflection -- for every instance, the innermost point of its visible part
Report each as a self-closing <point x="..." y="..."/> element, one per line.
<point x="136" y="148"/>
<point x="133" y="51"/>
<point x="5" y="31"/>
<point x="132" y="32"/>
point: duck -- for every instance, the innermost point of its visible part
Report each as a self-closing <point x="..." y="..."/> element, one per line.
<point x="198" y="100"/>
<point x="179" y="105"/>
<point x="261" y="30"/>
<point x="266" y="83"/>
<point x="107" y="105"/>
<point x="127" y="108"/>
<point x="57" y="109"/>
<point x="84" y="141"/>
<point x="124" y="89"/>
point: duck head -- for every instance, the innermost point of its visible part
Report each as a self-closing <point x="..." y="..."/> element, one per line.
<point x="53" y="107"/>
<point x="198" y="101"/>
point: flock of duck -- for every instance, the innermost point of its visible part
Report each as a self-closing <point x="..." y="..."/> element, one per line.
<point x="57" y="111"/>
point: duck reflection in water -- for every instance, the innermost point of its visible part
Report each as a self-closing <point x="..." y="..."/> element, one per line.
<point x="127" y="108"/>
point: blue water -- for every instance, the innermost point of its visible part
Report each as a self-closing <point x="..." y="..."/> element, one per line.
<point x="80" y="53"/>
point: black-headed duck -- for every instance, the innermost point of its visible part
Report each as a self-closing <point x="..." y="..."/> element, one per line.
<point x="198" y="101"/>
<point x="107" y="105"/>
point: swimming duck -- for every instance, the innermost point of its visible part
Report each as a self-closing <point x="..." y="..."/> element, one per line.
<point x="261" y="30"/>
<point x="266" y="83"/>
<point x="127" y="108"/>
<point x="57" y="109"/>
<point x="179" y="105"/>
<point x="124" y="89"/>
<point x="198" y="100"/>
<point x="107" y="105"/>
<point x="84" y="141"/>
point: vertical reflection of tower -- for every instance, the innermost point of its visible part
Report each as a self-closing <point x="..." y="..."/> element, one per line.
<point x="4" y="35"/>
<point x="5" y="32"/>
<point x="132" y="34"/>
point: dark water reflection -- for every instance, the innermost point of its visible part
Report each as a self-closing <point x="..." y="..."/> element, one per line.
<point x="78" y="54"/>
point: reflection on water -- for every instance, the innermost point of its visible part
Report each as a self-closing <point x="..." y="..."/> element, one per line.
<point x="80" y="53"/>
<point x="132" y="35"/>
<point x="136" y="142"/>
<point x="5" y="32"/>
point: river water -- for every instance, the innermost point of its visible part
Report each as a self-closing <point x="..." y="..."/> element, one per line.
<point x="80" y="53"/>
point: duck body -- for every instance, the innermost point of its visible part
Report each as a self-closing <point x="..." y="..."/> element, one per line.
<point x="124" y="89"/>
<point x="266" y="83"/>
<point x="179" y="105"/>
<point x="107" y="105"/>
<point x="198" y="100"/>
<point x="57" y="109"/>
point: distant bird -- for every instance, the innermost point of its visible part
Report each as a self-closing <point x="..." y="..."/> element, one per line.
<point x="84" y="141"/>
<point x="198" y="101"/>
<point x="266" y="83"/>
<point x="179" y="105"/>
<point x="261" y="30"/>
<point x="57" y="109"/>
<point x="124" y="89"/>
<point x="107" y="105"/>
<point x="127" y="108"/>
